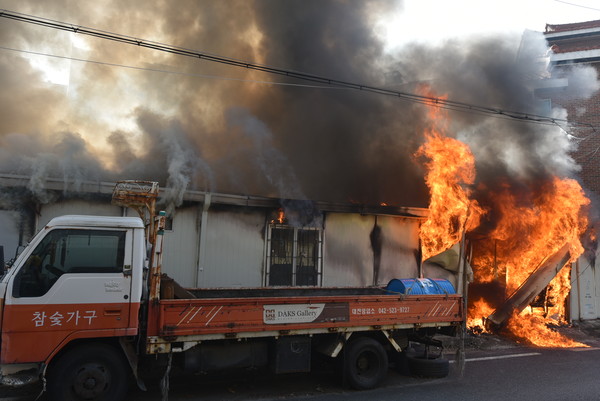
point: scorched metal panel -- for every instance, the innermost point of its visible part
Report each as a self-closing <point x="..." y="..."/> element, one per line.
<point x="347" y="253"/>
<point x="399" y="244"/>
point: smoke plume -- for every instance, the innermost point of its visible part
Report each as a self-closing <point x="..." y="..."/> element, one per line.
<point x="195" y="125"/>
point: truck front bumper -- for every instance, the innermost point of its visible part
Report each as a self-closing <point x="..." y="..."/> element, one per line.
<point x="19" y="375"/>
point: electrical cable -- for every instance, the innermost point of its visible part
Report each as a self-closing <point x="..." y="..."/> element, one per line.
<point x="163" y="71"/>
<point x="577" y="5"/>
<point x="330" y="82"/>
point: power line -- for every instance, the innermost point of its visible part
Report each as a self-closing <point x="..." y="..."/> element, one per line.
<point x="234" y="79"/>
<point x="330" y="82"/>
<point x="161" y="70"/>
<point x="577" y="5"/>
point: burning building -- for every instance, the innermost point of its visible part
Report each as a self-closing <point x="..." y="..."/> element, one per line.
<point x="222" y="240"/>
<point x="205" y="130"/>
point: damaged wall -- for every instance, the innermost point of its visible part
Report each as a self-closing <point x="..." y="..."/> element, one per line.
<point x="226" y="243"/>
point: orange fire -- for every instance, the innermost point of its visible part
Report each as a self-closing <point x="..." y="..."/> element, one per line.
<point x="280" y="216"/>
<point x="478" y="311"/>
<point x="533" y="329"/>
<point x="450" y="171"/>
<point x="527" y="229"/>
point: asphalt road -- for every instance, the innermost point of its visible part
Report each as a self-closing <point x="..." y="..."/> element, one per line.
<point x="510" y="374"/>
<point x="503" y="371"/>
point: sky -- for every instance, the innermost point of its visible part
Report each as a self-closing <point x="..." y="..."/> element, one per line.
<point x="437" y="21"/>
<point x="80" y="108"/>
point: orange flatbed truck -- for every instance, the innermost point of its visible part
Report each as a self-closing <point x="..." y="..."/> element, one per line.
<point x="85" y="308"/>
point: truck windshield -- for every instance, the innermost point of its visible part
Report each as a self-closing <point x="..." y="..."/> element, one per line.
<point x="69" y="251"/>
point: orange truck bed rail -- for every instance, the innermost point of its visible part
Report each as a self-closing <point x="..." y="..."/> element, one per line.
<point x="195" y="320"/>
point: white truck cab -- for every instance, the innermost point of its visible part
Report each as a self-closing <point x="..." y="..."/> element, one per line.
<point x="80" y="277"/>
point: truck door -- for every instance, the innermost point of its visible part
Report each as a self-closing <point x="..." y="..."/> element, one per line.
<point x="75" y="283"/>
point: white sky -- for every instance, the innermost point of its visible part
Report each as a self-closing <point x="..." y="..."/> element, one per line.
<point x="439" y="20"/>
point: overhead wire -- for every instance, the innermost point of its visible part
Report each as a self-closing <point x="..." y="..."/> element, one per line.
<point x="220" y="77"/>
<point x="329" y="82"/>
<point x="163" y="70"/>
<point x="326" y="81"/>
<point x="577" y="5"/>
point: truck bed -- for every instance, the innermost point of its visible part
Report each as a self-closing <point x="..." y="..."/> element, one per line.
<point x="261" y="312"/>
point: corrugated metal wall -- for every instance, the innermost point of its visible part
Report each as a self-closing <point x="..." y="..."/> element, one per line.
<point x="9" y="235"/>
<point x="180" y="246"/>
<point x="357" y="250"/>
<point x="76" y="206"/>
<point x="349" y="257"/>
<point x="347" y="253"/>
<point x="400" y="242"/>
<point x="235" y="246"/>
<point x="234" y="249"/>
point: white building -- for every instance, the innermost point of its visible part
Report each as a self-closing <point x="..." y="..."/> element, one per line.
<point x="220" y="240"/>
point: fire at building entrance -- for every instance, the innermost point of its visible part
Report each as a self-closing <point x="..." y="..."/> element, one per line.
<point x="520" y="240"/>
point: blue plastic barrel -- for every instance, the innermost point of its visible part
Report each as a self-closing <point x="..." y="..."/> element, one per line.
<point x="420" y="286"/>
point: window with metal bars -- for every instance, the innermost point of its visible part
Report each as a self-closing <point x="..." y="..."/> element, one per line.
<point x="293" y="256"/>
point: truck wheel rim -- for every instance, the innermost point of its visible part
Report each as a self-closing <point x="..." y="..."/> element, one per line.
<point x="367" y="364"/>
<point x="90" y="381"/>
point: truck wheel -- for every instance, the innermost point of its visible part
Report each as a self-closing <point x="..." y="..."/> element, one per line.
<point x="89" y="372"/>
<point x="365" y="363"/>
<point x="419" y="365"/>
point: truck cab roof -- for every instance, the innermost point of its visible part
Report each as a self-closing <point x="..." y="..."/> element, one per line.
<point x="96" y="221"/>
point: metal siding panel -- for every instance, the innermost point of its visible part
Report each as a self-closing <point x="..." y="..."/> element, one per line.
<point x="400" y="242"/>
<point x="180" y="247"/>
<point x="235" y="249"/>
<point x="9" y="236"/>
<point x="98" y="208"/>
<point x="585" y="302"/>
<point x="347" y="253"/>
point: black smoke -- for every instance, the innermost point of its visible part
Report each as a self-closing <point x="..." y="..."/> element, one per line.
<point x="217" y="128"/>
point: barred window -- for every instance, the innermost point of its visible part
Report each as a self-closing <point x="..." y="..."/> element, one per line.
<point x="294" y="256"/>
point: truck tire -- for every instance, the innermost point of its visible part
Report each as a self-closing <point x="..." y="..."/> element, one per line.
<point x="419" y="365"/>
<point x="95" y="372"/>
<point x="365" y="363"/>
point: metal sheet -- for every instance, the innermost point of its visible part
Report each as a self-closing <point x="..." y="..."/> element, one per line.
<point x="347" y="252"/>
<point x="234" y="249"/>
<point x="534" y="284"/>
<point x="180" y="247"/>
<point x="9" y="235"/>
<point x="400" y="242"/>
<point x="585" y="299"/>
<point x="75" y="206"/>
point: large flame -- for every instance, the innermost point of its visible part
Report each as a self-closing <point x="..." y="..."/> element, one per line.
<point x="524" y="235"/>
<point x="525" y="232"/>
<point x="450" y="173"/>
